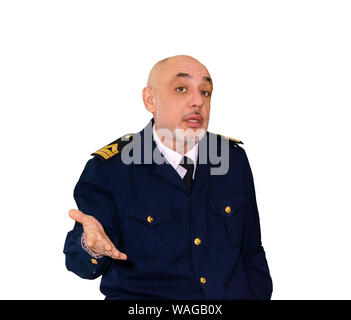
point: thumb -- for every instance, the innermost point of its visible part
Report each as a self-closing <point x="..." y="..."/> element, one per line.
<point x="77" y="215"/>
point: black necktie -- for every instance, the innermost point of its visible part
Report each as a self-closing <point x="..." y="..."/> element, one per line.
<point x="188" y="164"/>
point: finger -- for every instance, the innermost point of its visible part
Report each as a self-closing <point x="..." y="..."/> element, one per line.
<point x="77" y="215"/>
<point x="100" y="246"/>
<point x="109" y="248"/>
<point x="111" y="251"/>
<point x="118" y="255"/>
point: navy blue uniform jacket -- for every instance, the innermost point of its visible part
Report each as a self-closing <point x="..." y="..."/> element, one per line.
<point x="164" y="262"/>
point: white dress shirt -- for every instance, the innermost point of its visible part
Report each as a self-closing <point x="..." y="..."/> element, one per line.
<point x="174" y="157"/>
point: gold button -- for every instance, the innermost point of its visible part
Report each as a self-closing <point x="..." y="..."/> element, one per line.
<point x="203" y="280"/>
<point x="197" y="241"/>
<point x="228" y="209"/>
<point x="149" y="219"/>
<point x="94" y="261"/>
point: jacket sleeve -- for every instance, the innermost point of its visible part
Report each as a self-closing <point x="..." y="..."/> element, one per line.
<point x="93" y="198"/>
<point x="253" y="255"/>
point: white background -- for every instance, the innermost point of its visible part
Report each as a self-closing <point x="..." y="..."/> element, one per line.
<point x="71" y="76"/>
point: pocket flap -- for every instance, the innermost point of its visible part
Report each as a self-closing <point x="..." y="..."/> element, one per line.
<point x="151" y="216"/>
<point x="227" y="205"/>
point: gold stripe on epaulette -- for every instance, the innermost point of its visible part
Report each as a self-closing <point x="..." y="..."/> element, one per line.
<point x="114" y="148"/>
<point x="102" y="154"/>
<point x="232" y="139"/>
<point x="235" y="140"/>
<point x="108" y="151"/>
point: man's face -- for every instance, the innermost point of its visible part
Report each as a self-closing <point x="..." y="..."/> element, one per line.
<point x="182" y="96"/>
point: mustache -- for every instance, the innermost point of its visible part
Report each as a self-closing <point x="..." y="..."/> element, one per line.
<point x="194" y="113"/>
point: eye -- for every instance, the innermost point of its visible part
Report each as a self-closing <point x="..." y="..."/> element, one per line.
<point x="181" y="89"/>
<point x="205" y="93"/>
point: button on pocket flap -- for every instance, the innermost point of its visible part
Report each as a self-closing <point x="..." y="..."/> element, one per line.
<point x="150" y="215"/>
<point x="228" y="205"/>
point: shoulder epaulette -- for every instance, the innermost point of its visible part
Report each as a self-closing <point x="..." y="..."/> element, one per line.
<point x="113" y="148"/>
<point x="235" y="141"/>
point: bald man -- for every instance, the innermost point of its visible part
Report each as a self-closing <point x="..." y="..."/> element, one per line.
<point x="170" y="212"/>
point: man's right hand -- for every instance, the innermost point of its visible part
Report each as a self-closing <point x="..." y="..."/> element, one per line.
<point x="95" y="237"/>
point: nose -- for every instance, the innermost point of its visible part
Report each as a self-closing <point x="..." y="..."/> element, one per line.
<point x="197" y="99"/>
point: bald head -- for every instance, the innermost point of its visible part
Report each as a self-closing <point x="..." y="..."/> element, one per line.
<point x="161" y="67"/>
<point x="151" y="81"/>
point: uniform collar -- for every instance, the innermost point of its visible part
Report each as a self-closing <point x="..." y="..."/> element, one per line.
<point x="166" y="170"/>
<point x="174" y="157"/>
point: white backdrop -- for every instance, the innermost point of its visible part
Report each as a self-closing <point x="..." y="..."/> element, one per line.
<point x="71" y="76"/>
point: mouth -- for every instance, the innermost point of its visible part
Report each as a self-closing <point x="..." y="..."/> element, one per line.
<point x="193" y="121"/>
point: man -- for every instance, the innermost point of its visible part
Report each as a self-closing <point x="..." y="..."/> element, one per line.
<point x="157" y="218"/>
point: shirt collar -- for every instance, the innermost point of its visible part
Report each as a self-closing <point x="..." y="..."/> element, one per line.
<point x="174" y="157"/>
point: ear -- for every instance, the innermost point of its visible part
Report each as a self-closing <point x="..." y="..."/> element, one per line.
<point x="148" y="98"/>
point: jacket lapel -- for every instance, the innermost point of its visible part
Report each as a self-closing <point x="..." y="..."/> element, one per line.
<point x="202" y="167"/>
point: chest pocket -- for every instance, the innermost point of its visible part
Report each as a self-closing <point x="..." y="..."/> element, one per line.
<point x="148" y="231"/>
<point x="226" y="218"/>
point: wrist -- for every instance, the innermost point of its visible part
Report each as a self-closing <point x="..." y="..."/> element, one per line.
<point x="86" y="248"/>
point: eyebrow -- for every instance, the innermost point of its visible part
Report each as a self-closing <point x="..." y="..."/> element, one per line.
<point x="187" y="75"/>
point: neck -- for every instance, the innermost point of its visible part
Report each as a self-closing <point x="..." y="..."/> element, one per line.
<point x="177" y="141"/>
<point x="179" y="146"/>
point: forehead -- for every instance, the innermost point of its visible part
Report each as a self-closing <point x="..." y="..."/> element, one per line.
<point x="188" y="70"/>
